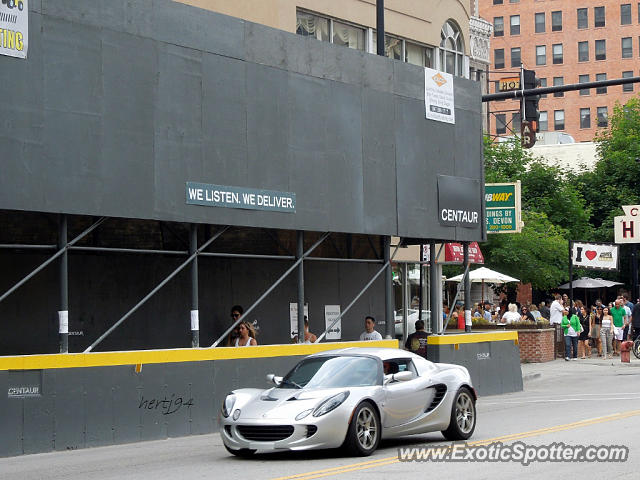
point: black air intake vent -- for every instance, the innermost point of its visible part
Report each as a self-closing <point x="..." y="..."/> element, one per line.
<point x="265" y="433"/>
<point x="440" y="391"/>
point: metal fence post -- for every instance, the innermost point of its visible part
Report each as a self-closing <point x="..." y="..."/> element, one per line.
<point x="63" y="276"/>
<point x="195" y="314"/>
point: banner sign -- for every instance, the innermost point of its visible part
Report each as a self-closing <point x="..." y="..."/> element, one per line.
<point x="502" y="206"/>
<point x="240" y="197"/>
<point x="626" y="228"/>
<point x="602" y="256"/>
<point x="14" y="28"/>
<point x="438" y="96"/>
<point x="331" y="312"/>
<point x="293" y="317"/>
<point x="459" y="201"/>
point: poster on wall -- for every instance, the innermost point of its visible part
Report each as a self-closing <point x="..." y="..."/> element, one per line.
<point x="602" y="256"/>
<point x="438" y="96"/>
<point x="331" y="312"/>
<point x="14" y="28"/>
<point x="293" y="316"/>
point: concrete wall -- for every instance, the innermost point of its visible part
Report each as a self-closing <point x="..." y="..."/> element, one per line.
<point x="120" y="103"/>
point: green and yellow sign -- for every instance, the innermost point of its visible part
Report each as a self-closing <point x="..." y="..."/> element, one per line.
<point x="502" y="206"/>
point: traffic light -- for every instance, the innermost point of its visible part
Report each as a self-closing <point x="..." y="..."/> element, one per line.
<point x="531" y="112"/>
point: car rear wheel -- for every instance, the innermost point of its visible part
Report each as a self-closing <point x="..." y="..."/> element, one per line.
<point x="363" y="435"/>
<point x="243" y="452"/>
<point x="463" y="416"/>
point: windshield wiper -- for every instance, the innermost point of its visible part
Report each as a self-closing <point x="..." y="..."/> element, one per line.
<point x="290" y="382"/>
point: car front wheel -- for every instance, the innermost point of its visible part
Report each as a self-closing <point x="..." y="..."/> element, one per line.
<point x="363" y="435"/>
<point x="463" y="416"/>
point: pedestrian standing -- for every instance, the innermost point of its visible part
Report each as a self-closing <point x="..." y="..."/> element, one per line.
<point x="635" y="320"/>
<point x="571" y="327"/>
<point x="583" y="338"/>
<point x="619" y="315"/>
<point x="606" y="332"/>
<point x="417" y="341"/>
<point x="369" y="330"/>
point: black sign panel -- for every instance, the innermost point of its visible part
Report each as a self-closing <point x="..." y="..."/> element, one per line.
<point x="459" y="202"/>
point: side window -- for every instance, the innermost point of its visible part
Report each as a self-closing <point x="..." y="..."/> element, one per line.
<point x="397" y="365"/>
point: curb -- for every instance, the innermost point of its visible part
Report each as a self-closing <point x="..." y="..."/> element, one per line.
<point x="531" y="376"/>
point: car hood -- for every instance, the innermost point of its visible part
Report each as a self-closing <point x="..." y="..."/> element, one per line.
<point x="284" y="403"/>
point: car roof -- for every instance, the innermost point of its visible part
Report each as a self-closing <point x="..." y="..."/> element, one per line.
<point x="381" y="353"/>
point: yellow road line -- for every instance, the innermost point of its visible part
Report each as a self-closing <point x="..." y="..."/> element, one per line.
<point x="504" y="438"/>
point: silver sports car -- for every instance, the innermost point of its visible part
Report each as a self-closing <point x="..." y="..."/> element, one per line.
<point x="351" y="397"/>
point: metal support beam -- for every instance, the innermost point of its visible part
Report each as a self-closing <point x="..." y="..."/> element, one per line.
<point x="388" y="289"/>
<point x="434" y="284"/>
<point x="195" y="314"/>
<point x="634" y="273"/>
<point x="300" y="256"/>
<point x="380" y="27"/>
<point x="63" y="285"/>
<point x="384" y="268"/>
<point x="51" y="259"/>
<point x="156" y="289"/>
<point x="467" y="289"/>
<point x="271" y="288"/>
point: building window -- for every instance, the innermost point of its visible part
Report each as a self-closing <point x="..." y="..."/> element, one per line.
<point x="558" y="119"/>
<point x="557" y="53"/>
<point x="583" y="18"/>
<point x="540" y="23"/>
<point x="497" y="2"/>
<point x="348" y="35"/>
<point x="498" y="56"/>
<point x="514" y="1"/>
<point x="516" y="60"/>
<point x="309" y="25"/>
<point x="498" y="26"/>
<point x="556" y="21"/>
<point x="625" y="14"/>
<point x="501" y="124"/>
<point x="557" y="82"/>
<point x="599" y="78"/>
<point x="542" y="83"/>
<point x="601" y="49"/>
<point x="583" y="51"/>
<point x="514" y="22"/>
<point x="627" y="87"/>
<point x="627" y="47"/>
<point x="603" y="117"/>
<point x="516" y="124"/>
<point x="541" y="55"/>
<point x="418" y="54"/>
<point x="585" y="118"/>
<point x="584" y="79"/>
<point x="598" y="15"/>
<point x="452" y="49"/>
<point x="543" y="122"/>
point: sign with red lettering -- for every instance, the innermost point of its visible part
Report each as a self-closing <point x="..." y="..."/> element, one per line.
<point x="454" y="253"/>
<point x="627" y="227"/>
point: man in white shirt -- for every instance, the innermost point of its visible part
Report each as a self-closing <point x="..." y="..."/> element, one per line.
<point x="556" y="311"/>
<point x="369" y="332"/>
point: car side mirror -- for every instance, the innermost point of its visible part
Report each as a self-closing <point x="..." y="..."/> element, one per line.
<point x="402" y="376"/>
<point x="274" y="378"/>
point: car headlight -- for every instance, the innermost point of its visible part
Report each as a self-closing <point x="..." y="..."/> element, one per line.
<point x="227" y="405"/>
<point x="330" y="404"/>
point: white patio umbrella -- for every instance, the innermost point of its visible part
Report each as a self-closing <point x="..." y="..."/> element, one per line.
<point x="484" y="275"/>
<point x="586" y="282"/>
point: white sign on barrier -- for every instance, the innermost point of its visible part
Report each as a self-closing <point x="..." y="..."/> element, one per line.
<point x="602" y="256"/>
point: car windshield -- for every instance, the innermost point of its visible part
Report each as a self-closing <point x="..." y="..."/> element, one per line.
<point x="333" y="372"/>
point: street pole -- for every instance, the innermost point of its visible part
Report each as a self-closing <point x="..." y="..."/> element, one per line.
<point x="299" y="255"/>
<point x="467" y="289"/>
<point x="195" y="314"/>
<point x="380" y="27"/>
<point x="634" y="273"/>
<point x="570" y="276"/>
<point x="63" y="274"/>
<point x="421" y="281"/>
<point x="389" y="326"/>
<point x="434" y="285"/>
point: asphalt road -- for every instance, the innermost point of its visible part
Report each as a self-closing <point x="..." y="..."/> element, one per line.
<point x="578" y="403"/>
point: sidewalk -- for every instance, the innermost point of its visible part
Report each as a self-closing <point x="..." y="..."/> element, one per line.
<point x="532" y="371"/>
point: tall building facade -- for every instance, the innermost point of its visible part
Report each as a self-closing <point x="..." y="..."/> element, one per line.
<point x="437" y="34"/>
<point x="565" y="43"/>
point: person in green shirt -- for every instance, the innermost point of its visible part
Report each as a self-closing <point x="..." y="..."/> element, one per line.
<point x="619" y="315"/>
<point x="571" y="327"/>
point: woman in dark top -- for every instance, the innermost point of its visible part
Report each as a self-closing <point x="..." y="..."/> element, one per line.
<point x="596" y="322"/>
<point x="526" y="315"/>
<point x="583" y="339"/>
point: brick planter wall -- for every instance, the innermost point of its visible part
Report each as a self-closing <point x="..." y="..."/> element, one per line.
<point x="536" y="345"/>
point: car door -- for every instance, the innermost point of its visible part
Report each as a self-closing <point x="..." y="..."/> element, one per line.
<point x="404" y="400"/>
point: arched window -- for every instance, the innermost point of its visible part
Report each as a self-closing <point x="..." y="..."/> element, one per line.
<point x="451" y="49"/>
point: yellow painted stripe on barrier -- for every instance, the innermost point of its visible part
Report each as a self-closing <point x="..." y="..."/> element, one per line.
<point x="472" y="338"/>
<point x="140" y="357"/>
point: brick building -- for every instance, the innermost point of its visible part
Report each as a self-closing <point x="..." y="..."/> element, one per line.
<point x="564" y="42"/>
